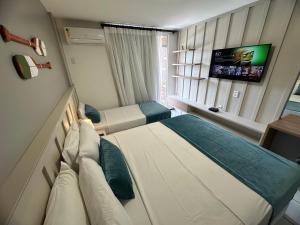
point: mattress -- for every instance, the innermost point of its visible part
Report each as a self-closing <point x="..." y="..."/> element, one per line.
<point x="180" y="185"/>
<point x="122" y="118"/>
<point x="126" y="117"/>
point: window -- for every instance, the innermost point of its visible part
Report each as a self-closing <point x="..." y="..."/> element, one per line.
<point x="163" y="69"/>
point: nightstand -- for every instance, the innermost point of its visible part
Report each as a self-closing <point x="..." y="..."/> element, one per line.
<point x="101" y="132"/>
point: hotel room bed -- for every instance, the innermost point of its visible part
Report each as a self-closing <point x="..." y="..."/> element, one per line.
<point x="179" y="184"/>
<point x="126" y="117"/>
<point x="176" y="177"/>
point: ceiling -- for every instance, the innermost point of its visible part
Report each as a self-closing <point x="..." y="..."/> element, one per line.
<point x="172" y="14"/>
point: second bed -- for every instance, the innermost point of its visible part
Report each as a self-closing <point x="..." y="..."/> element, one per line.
<point x="126" y="117"/>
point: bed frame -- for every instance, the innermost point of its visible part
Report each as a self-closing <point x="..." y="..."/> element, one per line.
<point x="24" y="194"/>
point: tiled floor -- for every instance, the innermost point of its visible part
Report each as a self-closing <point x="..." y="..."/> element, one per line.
<point x="292" y="213"/>
<point x="283" y="221"/>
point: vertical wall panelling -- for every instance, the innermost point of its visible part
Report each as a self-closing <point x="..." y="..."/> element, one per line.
<point x="253" y="31"/>
<point x="280" y="14"/>
<point x="184" y="55"/>
<point x="199" y="40"/>
<point x="206" y="56"/>
<point x="190" y="43"/>
<point x="235" y="37"/>
<point x="264" y="22"/>
<point x="200" y="58"/>
<point x="193" y="68"/>
<point x="181" y="69"/>
<point x="219" y="42"/>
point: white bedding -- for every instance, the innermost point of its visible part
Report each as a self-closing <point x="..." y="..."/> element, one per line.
<point x="181" y="186"/>
<point x="122" y="118"/>
<point x="295" y="98"/>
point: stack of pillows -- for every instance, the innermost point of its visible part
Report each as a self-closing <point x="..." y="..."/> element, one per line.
<point x="92" y="197"/>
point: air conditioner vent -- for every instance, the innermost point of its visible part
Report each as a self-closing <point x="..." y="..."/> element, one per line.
<point x="78" y="35"/>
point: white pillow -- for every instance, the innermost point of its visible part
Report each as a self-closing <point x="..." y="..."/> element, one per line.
<point x="71" y="146"/>
<point x="81" y="110"/>
<point x="65" y="205"/>
<point x="89" y="141"/>
<point x="102" y="205"/>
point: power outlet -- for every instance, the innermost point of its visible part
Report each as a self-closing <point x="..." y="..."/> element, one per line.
<point x="236" y="94"/>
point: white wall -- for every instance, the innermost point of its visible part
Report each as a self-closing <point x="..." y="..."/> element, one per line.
<point x="269" y="21"/>
<point x="89" y="69"/>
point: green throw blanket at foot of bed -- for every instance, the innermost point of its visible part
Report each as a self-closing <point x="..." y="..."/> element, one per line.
<point x="273" y="177"/>
<point x="154" y="111"/>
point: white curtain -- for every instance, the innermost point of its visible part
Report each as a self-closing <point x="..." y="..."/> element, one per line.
<point x="134" y="59"/>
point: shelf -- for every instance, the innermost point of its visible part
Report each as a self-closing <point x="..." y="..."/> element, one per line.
<point x="186" y="64"/>
<point x="190" y="78"/>
<point x="184" y="50"/>
<point x="240" y="121"/>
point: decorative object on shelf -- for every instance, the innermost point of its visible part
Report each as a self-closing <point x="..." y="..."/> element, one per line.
<point x="26" y="67"/>
<point x="37" y="44"/>
<point x="213" y="109"/>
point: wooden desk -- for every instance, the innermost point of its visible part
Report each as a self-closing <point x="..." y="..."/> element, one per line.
<point x="289" y="124"/>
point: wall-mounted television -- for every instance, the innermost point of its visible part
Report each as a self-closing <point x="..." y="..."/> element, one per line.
<point x="245" y="63"/>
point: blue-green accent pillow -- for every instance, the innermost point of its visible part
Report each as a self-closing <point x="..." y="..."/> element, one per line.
<point x="297" y="92"/>
<point x="115" y="170"/>
<point x="92" y="113"/>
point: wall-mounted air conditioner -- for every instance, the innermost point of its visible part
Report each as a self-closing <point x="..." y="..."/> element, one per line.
<point x="78" y="35"/>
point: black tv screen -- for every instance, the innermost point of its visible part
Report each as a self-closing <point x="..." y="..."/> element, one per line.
<point x="245" y="63"/>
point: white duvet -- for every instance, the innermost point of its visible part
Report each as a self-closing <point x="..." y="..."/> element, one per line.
<point x="181" y="186"/>
<point x="121" y="118"/>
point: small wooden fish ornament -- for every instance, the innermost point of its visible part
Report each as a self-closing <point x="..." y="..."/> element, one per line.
<point x="37" y="44"/>
<point x="26" y="67"/>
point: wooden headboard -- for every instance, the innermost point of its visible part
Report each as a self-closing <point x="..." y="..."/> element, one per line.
<point x="24" y="194"/>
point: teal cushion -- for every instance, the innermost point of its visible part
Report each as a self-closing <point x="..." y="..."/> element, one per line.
<point x="115" y="170"/>
<point x="297" y="92"/>
<point x="92" y="113"/>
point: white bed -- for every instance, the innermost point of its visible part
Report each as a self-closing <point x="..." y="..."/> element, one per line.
<point x="122" y="118"/>
<point x="126" y="117"/>
<point x="174" y="183"/>
<point x="179" y="185"/>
